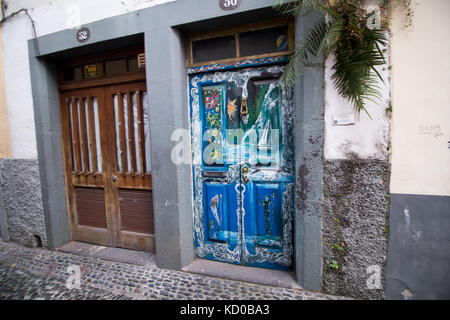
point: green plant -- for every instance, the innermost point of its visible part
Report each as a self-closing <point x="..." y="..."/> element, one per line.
<point x="389" y="108"/>
<point x="334" y="264"/>
<point x="337" y="246"/>
<point x="336" y="222"/>
<point x="346" y="34"/>
<point x="338" y="195"/>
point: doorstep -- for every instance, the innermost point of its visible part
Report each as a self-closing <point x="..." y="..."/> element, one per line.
<point x="140" y="258"/>
<point x="229" y="271"/>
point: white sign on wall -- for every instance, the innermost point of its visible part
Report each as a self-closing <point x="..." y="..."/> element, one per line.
<point x="343" y="119"/>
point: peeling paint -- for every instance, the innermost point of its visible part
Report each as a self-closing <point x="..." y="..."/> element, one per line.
<point x="417" y="235"/>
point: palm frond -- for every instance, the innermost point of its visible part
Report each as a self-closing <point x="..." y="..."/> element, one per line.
<point x="300" y="7"/>
<point x="355" y="75"/>
<point x="315" y="43"/>
<point x="331" y="36"/>
<point x="286" y="8"/>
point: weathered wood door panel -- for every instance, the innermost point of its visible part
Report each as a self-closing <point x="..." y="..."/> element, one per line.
<point x="243" y="149"/>
<point x="107" y="165"/>
<point x="131" y="177"/>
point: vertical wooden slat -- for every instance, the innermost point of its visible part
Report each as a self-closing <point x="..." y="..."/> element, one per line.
<point x="92" y="136"/>
<point x="66" y="118"/>
<point x="76" y="134"/>
<point x="291" y="32"/>
<point x="141" y="135"/>
<point x="122" y="137"/>
<point x="84" y="139"/>
<point x="131" y="143"/>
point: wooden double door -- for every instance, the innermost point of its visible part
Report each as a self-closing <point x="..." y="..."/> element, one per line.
<point x="106" y="149"/>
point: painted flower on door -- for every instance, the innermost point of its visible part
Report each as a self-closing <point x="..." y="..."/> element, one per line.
<point x="212" y="99"/>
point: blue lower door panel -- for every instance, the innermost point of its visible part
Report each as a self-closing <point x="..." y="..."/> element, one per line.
<point x="220" y="213"/>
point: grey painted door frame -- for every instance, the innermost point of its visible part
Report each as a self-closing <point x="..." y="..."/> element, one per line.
<point x="166" y="74"/>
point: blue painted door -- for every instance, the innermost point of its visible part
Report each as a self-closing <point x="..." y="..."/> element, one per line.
<point x="243" y="167"/>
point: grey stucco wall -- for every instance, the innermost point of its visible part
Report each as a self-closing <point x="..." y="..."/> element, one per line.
<point x="22" y="201"/>
<point x="355" y="220"/>
<point x="418" y="265"/>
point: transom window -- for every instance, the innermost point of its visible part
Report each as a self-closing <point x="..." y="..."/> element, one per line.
<point x="119" y="63"/>
<point x="257" y="40"/>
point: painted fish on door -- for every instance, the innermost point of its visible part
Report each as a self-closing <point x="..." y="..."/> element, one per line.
<point x="243" y="167"/>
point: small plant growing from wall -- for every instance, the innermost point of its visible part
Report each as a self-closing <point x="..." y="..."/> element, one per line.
<point x="334" y="264"/>
<point x="356" y="39"/>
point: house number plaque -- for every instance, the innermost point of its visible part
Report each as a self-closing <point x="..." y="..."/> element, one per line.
<point x="83" y="34"/>
<point x="229" y="5"/>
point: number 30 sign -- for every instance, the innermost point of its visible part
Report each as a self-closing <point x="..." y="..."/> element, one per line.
<point x="229" y="4"/>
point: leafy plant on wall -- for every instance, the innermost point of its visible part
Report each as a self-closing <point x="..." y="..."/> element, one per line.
<point x="350" y="34"/>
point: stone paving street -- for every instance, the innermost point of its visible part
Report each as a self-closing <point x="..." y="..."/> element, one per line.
<point x="27" y="273"/>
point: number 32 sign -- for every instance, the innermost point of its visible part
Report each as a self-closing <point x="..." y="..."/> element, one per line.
<point x="83" y="34"/>
<point x="229" y="4"/>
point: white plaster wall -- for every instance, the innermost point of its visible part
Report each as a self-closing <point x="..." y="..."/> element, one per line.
<point x="367" y="138"/>
<point x="421" y="101"/>
<point x="49" y="17"/>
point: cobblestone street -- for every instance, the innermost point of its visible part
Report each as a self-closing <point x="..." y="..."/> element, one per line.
<point x="27" y="273"/>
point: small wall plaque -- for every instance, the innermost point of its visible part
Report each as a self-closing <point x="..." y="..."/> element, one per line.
<point x="229" y="5"/>
<point x="343" y="119"/>
<point x="83" y="34"/>
<point x="141" y="60"/>
<point x="92" y="70"/>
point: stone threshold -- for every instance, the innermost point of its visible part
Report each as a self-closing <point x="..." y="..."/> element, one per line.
<point x="140" y="258"/>
<point x="275" y="278"/>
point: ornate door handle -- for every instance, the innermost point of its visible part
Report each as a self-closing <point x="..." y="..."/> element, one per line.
<point x="244" y="108"/>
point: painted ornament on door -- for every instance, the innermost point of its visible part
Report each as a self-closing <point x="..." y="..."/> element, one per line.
<point x="213" y="106"/>
<point x="214" y="205"/>
<point x="231" y="109"/>
<point x="268" y="207"/>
